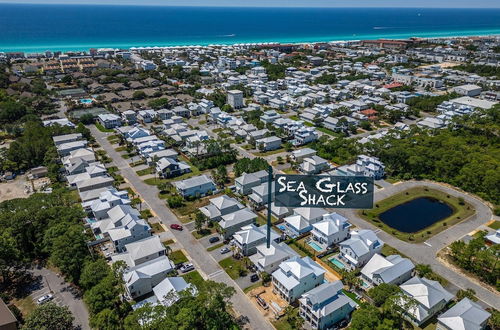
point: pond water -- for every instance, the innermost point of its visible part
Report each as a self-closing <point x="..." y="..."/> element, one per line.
<point x="416" y="214"/>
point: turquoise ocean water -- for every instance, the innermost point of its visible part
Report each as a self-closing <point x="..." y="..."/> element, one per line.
<point x="35" y="28"/>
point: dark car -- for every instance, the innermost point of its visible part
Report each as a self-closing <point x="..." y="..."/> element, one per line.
<point x="214" y="239"/>
<point x="176" y="226"/>
<point x="254" y="278"/>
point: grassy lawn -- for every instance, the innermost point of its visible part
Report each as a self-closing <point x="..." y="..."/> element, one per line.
<point x="194" y="172"/>
<point x="253" y="286"/>
<point x="157" y="228"/>
<point x="145" y="171"/>
<point x="215" y="247"/>
<point x="290" y="171"/>
<point x="186" y="213"/>
<point x="26" y="305"/>
<point x="194" y="278"/>
<point x="494" y="225"/>
<point x="388" y="250"/>
<point x="103" y="129"/>
<point x="232" y="267"/>
<point x="262" y="220"/>
<point x="268" y="153"/>
<point x="122" y="148"/>
<point x="168" y="242"/>
<point x="177" y="257"/>
<point x="327" y="131"/>
<point x="392" y="180"/>
<point x="352" y="296"/>
<point x="113" y="138"/>
<point x="460" y="213"/>
<point x="137" y="163"/>
<point x="146" y="214"/>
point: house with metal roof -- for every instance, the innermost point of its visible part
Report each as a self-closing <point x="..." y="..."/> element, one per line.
<point x="333" y="229"/>
<point x="296" y="276"/>
<point x="200" y="185"/>
<point x="141" y="251"/>
<point x="167" y="291"/>
<point x="268" y="259"/>
<point x="220" y="206"/>
<point x="141" y="279"/>
<point x="429" y="295"/>
<point x="326" y="305"/>
<point x="357" y="250"/>
<point x="232" y="222"/>
<point x="249" y="237"/>
<point x="393" y="269"/>
<point x="247" y="181"/>
<point x="465" y="315"/>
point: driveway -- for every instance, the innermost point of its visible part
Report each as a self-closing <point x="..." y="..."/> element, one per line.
<point x="53" y="283"/>
<point x="197" y="252"/>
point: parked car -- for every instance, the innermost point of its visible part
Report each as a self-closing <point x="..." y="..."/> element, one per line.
<point x="254" y="278"/>
<point x="214" y="239"/>
<point x="44" y="299"/>
<point x="224" y="250"/>
<point x="186" y="268"/>
<point x="176" y="226"/>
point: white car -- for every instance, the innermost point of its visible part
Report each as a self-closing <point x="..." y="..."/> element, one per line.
<point x="44" y="299"/>
<point x="186" y="268"/>
<point x="225" y="250"/>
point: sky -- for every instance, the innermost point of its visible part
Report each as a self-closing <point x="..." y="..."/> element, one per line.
<point x="282" y="3"/>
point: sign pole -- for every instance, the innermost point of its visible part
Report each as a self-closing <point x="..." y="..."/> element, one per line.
<point x="269" y="200"/>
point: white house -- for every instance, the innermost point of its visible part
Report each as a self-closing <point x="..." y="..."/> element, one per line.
<point x="357" y="250"/>
<point x="269" y="143"/>
<point x="326" y="305"/>
<point x="141" y="251"/>
<point x="465" y="315"/>
<point x="268" y="259"/>
<point x="220" y="206"/>
<point x="391" y="270"/>
<point x="167" y="291"/>
<point x="247" y="181"/>
<point x="141" y="279"/>
<point x="235" y="99"/>
<point x="429" y="295"/>
<point x="333" y="229"/>
<point x="296" y="276"/>
<point x="249" y="237"/>
<point x="232" y="222"/>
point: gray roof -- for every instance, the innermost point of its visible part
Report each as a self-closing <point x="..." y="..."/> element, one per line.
<point x="323" y="292"/>
<point x="193" y="182"/>
<point x="466" y="315"/>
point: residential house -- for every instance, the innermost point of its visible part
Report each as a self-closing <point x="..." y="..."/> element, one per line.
<point x="200" y="185"/>
<point x="296" y="276"/>
<point x="314" y="165"/>
<point x="268" y="259"/>
<point x="170" y="167"/>
<point x="429" y="295"/>
<point x="232" y="222"/>
<point x="358" y="249"/>
<point x="247" y="181"/>
<point x="268" y="143"/>
<point x="465" y="315"/>
<point x="67" y="138"/>
<point x="109" y="120"/>
<point x="141" y="251"/>
<point x="391" y="270"/>
<point x="249" y="237"/>
<point x="167" y="291"/>
<point x="260" y="195"/>
<point x="326" y="305"/>
<point x="333" y="229"/>
<point x="140" y="280"/>
<point x="220" y="206"/>
<point x="301" y="154"/>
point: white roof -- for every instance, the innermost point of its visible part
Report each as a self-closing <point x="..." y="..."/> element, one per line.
<point x="465" y="315"/>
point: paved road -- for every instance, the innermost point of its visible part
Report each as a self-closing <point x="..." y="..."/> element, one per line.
<point x="52" y="283"/>
<point x="197" y="253"/>
<point x="425" y="253"/>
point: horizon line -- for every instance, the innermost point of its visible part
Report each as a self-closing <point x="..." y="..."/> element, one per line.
<point x="233" y="6"/>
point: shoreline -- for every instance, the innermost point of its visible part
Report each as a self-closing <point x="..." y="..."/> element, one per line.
<point x="220" y="42"/>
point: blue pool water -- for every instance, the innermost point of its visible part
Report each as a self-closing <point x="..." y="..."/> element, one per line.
<point x="315" y="246"/>
<point x="90" y="220"/>
<point x="86" y="101"/>
<point x="337" y="263"/>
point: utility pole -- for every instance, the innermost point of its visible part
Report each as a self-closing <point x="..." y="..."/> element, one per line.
<point x="269" y="199"/>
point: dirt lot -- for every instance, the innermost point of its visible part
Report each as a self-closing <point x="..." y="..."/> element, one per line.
<point x="267" y="294"/>
<point x="13" y="189"/>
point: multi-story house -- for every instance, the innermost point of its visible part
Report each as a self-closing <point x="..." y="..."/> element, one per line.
<point x="357" y="250"/>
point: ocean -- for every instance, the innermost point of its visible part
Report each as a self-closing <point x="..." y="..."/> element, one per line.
<point x="36" y="28"/>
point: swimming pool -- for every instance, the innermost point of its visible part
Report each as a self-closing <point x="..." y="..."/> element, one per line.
<point x="337" y="263"/>
<point x="90" y="220"/>
<point x="86" y="101"/>
<point x="315" y="246"/>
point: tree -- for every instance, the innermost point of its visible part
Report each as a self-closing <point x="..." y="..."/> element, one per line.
<point x="382" y="292"/>
<point x="49" y="316"/>
<point x="199" y="221"/>
<point x="367" y="317"/>
<point x="468" y="293"/>
<point x="93" y="272"/>
<point x="69" y="251"/>
<point x="175" y="201"/>
<point x="350" y="278"/>
<point x="104" y="295"/>
<point x="139" y="95"/>
<point x="107" y="319"/>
